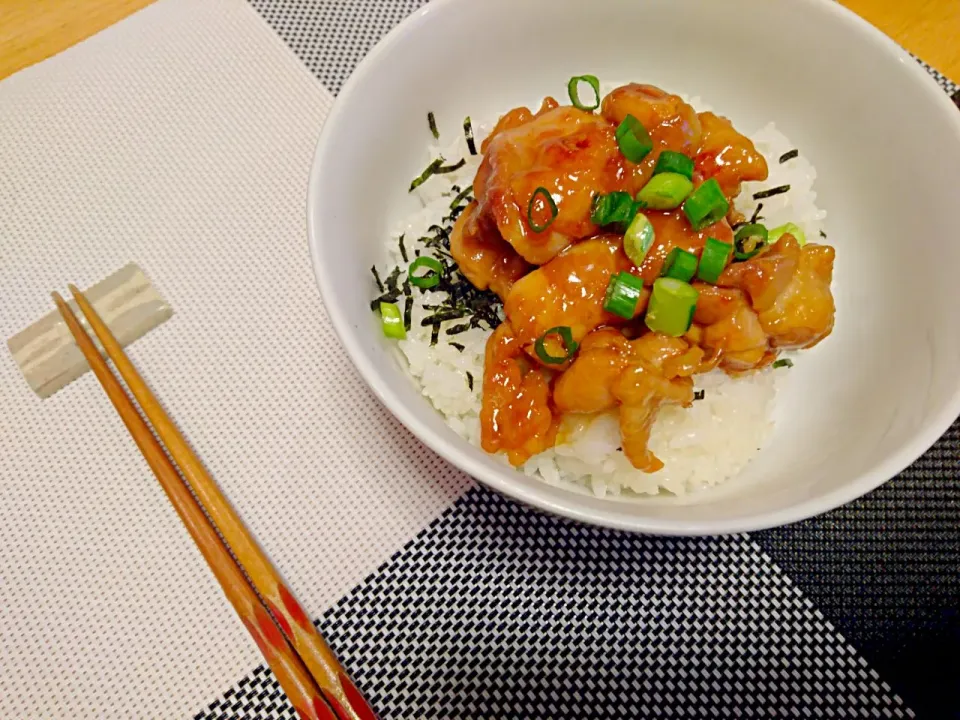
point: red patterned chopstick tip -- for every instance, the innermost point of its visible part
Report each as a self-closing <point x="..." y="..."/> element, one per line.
<point x="338" y="708"/>
<point x="281" y="620"/>
<point x="304" y="714"/>
<point x="294" y="609"/>
<point x="357" y="701"/>
<point x="257" y="638"/>
<point x="322" y="710"/>
<point x="269" y="629"/>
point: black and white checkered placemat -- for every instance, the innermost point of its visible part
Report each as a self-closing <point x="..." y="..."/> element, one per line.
<point x="498" y="611"/>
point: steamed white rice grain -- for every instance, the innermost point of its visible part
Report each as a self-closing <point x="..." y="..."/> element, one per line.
<point x="700" y="446"/>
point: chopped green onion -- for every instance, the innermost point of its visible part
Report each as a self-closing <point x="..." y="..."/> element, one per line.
<point x="392" y="321"/>
<point x="679" y="265"/>
<point x="432" y="278"/>
<point x="671" y="308"/>
<point x="432" y="122"/>
<point x="665" y="191"/>
<point x="569" y="346"/>
<point x="749" y="240"/>
<point x="573" y="88"/>
<point x="674" y="162"/>
<point x="794" y="230"/>
<point x="548" y="198"/>
<point x="785" y="362"/>
<point x="615" y="207"/>
<point x="706" y="205"/>
<point x="638" y="239"/>
<point x="468" y="133"/>
<point x="623" y="295"/>
<point x="633" y="139"/>
<point x="713" y="260"/>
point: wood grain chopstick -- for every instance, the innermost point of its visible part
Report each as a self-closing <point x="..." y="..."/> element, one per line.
<point x="315" y="698"/>
<point x="338" y="688"/>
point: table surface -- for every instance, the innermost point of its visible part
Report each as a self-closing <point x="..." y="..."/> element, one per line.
<point x="33" y="30"/>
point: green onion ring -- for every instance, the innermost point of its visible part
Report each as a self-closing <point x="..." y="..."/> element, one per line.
<point x="431" y="279"/>
<point x="392" y="321"/>
<point x="623" y="295"/>
<point x="749" y="240"/>
<point x="573" y="91"/>
<point x="566" y="335"/>
<point x="553" y="210"/>
<point x="633" y="139"/>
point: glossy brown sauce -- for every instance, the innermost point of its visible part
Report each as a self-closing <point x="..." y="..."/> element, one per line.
<point x="559" y="276"/>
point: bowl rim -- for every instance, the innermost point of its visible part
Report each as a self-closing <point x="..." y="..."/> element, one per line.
<point x="569" y="506"/>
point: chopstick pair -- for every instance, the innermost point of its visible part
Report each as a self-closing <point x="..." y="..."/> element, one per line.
<point x="307" y="670"/>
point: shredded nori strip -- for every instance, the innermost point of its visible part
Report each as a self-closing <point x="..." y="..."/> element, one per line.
<point x="425" y="175"/>
<point x="470" y="380"/>
<point x="754" y="218"/>
<point x="764" y="194"/>
<point x="390" y="297"/>
<point x="376" y="276"/>
<point x="432" y="122"/>
<point x="699" y="394"/>
<point x="458" y="346"/>
<point x="392" y="279"/>
<point x="450" y="168"/>
<point x="440" y="234"/>
<point x="463" y="195"/>
<point x="785" y="362"/>
<point x="790" y="155"/>
<point x="403" y="249"/>
<point x="408" y="305"/>
<point x="460" y="299"/>
<point x="823" y="235"/>
<point x="443" y="316"/>
<point x="468" y="131"/>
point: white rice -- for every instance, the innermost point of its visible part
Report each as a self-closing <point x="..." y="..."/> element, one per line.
<point x="700" y="446"/>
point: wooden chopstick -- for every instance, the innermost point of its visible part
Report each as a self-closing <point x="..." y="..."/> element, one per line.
<point x="313" y="697"/>
<point x="315" y="653"/>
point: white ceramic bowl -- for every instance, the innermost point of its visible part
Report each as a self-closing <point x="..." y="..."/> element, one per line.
<point x="886" y="144"/>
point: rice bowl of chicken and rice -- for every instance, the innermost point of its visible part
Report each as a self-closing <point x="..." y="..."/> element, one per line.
<point x="726" y="451"/>
<point x="700" y="445"/>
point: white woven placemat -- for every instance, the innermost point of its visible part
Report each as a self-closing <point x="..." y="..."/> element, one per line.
<point x="180" y="139"/>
